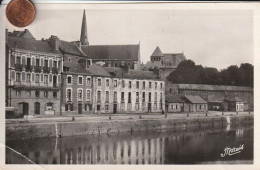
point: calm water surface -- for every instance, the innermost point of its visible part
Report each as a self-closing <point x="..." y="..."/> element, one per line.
<point x="164" y="147"/>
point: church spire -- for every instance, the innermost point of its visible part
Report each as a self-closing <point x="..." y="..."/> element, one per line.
<point x="84" y="35"/>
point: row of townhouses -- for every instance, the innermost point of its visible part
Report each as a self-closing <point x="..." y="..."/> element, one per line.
<point x="56" y="77"/>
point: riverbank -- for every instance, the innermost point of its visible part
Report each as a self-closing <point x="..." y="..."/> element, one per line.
<point x="60" y="127"/>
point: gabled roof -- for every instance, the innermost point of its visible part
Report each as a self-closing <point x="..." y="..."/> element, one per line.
<point x="194" y="99"/>
<point x="31" y="44"/>
<point x="76" y="68"/>
<point x="22" y="34"/>
<point x="173" y="99"/>
<point x="71" y="48"/>
<point x="98" y="70"/>
<point x="157" y="52"/>
<point x="112" y="52"/>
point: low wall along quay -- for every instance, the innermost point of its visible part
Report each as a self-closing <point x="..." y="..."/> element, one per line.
<point x="72" y="128"/>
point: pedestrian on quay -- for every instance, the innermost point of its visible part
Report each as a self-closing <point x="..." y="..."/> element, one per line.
<point x="162" y="112"/>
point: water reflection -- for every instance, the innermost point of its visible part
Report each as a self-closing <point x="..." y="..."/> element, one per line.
<point x="149" y="148"/>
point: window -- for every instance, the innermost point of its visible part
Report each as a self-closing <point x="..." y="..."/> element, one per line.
<point x="69" y="97"/>
<point x="46" y="79"/>
<point x="106" y="107"/>
<point x="107" y="96"/>
<point x="50" y="78"/>
<point x="98" y="96"/>
<point x="143" y="85"/>
<point x="130" y="85"/>
<point x="37" y="78"/>
<point x="176" y="106"/>
<point x="80" y="80"/>
<point x="68" y="107"/>
<point x="37" y="62"/>
<point x="115" y="83"/>
<point x="55" y="94"/>
<point x="41" y="77"/>
<point x="69" y="59"/>
<point x="49" y="106"/>
<point x="155" y="96"/>
<point x="37" y="93"/>
<point x="69" y="79"/>
<point x="99" y="82"/>
<point x="150" y="84"/>
<point x="18" y="92"/>
<point x="129" y="97"/>
<point x="155" y="85"/>
<point x="23" y="76"/>
<point x="28" y="78"/>
<point x="80" y="94"/>
<point x="28" y="92"/>
<point x="18" y="77"/>
<point x="18" y="60"/>
<point x="143" y="97"/>
<point x="160" y="97"/>
<point x="107" y="82"/>
<point x="45" y="63"/>
<point x="150" y="97"/>
<point x="137" y="97"/>
<point x="46" y="94"/>
<point x="55" y="64"/>
<point x="123" y="83"/>
<point x="161" y="86"/>
<point x="88" y="81"/>
<point x="172" y="106"/>
<point x="122" y="97"/>
<point x="115" y="96"/>
<point x="88" y="95"/>
<point x="137" y="84"/>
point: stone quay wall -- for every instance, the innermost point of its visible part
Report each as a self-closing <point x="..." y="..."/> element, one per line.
<point x="73" y="128"/>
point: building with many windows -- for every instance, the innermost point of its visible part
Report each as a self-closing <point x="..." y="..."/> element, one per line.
<point x="33" y="74"/>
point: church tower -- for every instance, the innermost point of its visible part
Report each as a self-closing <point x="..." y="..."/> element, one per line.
<point x="84" y="35"/>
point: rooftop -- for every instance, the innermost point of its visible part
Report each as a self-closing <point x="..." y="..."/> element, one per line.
<point x="194" y="99"/>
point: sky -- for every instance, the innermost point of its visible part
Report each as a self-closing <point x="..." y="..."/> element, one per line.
<point x="212" y="38"/>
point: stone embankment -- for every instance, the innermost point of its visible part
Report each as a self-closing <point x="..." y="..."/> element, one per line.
<point x="71" y="128"/>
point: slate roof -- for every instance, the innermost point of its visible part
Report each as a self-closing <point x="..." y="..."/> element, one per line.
<point x="71" y="48"/>
<point x="98" y="70"/>
<point x="21" y="34"/>
<point x="194" y="99"/>
<point x="76" y="68"/>
<point x="31" y="44"/>
<point x="173" y="99"/>
<point x="233" y="99"/>
<point x="214" y="87"/>
<point x="112" y="52"/>
<point x="133" y="74"/>
<point x="151" y="65"/>
<point x="157" y="52"/>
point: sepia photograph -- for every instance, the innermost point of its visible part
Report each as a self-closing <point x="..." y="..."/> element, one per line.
<point x="117" y="84"/>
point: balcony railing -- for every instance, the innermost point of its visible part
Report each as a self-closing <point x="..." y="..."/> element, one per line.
<point x="26" y="84"/>
<point x="18" y="67"/>
<point x="55" y="70"/>
<point x="37" y="69"/>
<point x="46" y="70"/>
<point x="28" y="68"/>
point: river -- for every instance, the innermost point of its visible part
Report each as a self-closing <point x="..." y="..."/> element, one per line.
<point x="157" y="147"/>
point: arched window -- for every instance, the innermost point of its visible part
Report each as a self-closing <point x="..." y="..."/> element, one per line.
<point x="116" y="65"/>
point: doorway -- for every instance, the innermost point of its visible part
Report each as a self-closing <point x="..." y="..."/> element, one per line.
<point x="23" y="108"/>
<point x="37" y="108"/>
<point x="79" y="108"/>
<point x="149" y="107"/>
<point x="114" y="108"/>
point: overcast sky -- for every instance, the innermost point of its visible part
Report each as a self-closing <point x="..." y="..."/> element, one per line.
<point x="212" y="38"/>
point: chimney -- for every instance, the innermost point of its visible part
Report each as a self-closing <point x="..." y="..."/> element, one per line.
<point x="55" y="42"/>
